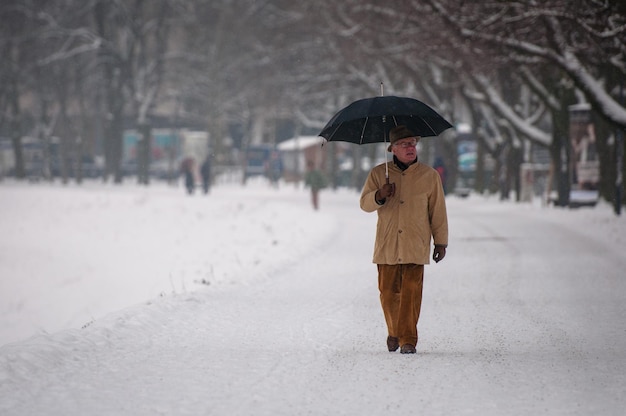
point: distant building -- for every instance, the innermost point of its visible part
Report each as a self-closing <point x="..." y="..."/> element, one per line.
<point x="297" y="152"/>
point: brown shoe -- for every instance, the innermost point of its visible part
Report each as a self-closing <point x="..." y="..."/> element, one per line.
<point x="407" y="349"/>
<point x="392" y="343"/>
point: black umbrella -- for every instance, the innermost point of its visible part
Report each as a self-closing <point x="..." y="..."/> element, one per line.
<point x="369" y="120"/>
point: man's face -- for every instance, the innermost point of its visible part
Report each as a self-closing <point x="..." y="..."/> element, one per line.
<point x="404" y="149"/>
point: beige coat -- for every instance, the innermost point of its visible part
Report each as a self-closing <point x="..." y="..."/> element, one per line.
<point x="407" y="220"/>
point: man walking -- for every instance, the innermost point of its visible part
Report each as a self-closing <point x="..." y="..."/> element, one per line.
<point x="411" y="210"/>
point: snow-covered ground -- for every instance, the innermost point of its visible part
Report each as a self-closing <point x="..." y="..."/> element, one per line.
<point x="143" y="301"/>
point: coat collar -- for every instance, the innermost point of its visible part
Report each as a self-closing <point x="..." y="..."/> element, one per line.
<point x="401" y="165"/>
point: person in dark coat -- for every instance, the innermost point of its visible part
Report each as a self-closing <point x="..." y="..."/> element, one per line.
<point x="187" y="170"/>
<point x="205" y="172"/>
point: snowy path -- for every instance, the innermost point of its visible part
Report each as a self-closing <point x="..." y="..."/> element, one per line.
<point x="524" y="316"/>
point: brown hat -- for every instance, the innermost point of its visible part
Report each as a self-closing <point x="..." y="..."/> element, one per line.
<point x="397" y="133"/>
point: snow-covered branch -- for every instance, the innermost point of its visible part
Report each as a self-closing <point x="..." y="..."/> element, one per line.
<point x="522" y="125"/>
<point x="557" y="51"/>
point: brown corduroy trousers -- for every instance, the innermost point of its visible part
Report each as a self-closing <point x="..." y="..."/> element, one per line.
<point x="400" y="287"/>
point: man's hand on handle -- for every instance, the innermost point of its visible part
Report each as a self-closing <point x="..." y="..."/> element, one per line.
<point x="386" y="191"/>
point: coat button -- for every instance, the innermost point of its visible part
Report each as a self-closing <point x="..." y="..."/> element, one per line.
<point x="400" y="231"/>
<point x="402" y="202"/>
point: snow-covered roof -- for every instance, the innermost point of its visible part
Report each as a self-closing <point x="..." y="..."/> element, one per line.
<point x="300" y="142"/>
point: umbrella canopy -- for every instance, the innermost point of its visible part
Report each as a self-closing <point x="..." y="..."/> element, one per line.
<point x="369" y="120"/>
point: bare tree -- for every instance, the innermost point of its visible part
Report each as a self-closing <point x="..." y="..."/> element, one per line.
<point x="511" y="67"/>
<point x="150" y="27"/>
<point x="16" y="45"/>
<point x="580" y="44"/>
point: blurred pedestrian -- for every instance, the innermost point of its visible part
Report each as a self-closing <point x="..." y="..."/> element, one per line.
<point x="411" y="210"/>
<point x="275" y="168"/>
<point x="187" y="167"/>
<point x="440" y="167"/>
<point x="315" y="180"/>
<point x="205" y="173"/>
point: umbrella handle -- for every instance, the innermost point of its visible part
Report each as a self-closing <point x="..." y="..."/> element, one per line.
<point x="386" y="168"/>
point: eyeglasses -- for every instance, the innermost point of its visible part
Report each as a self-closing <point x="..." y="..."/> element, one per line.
<point x="407" y="143"/>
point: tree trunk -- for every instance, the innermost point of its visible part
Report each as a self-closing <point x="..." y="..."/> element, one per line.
<point x="479" y="176"/>
<point x="143" y="153"/>
<point x="16" y="135"/>
<point x="560" y="154"/>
